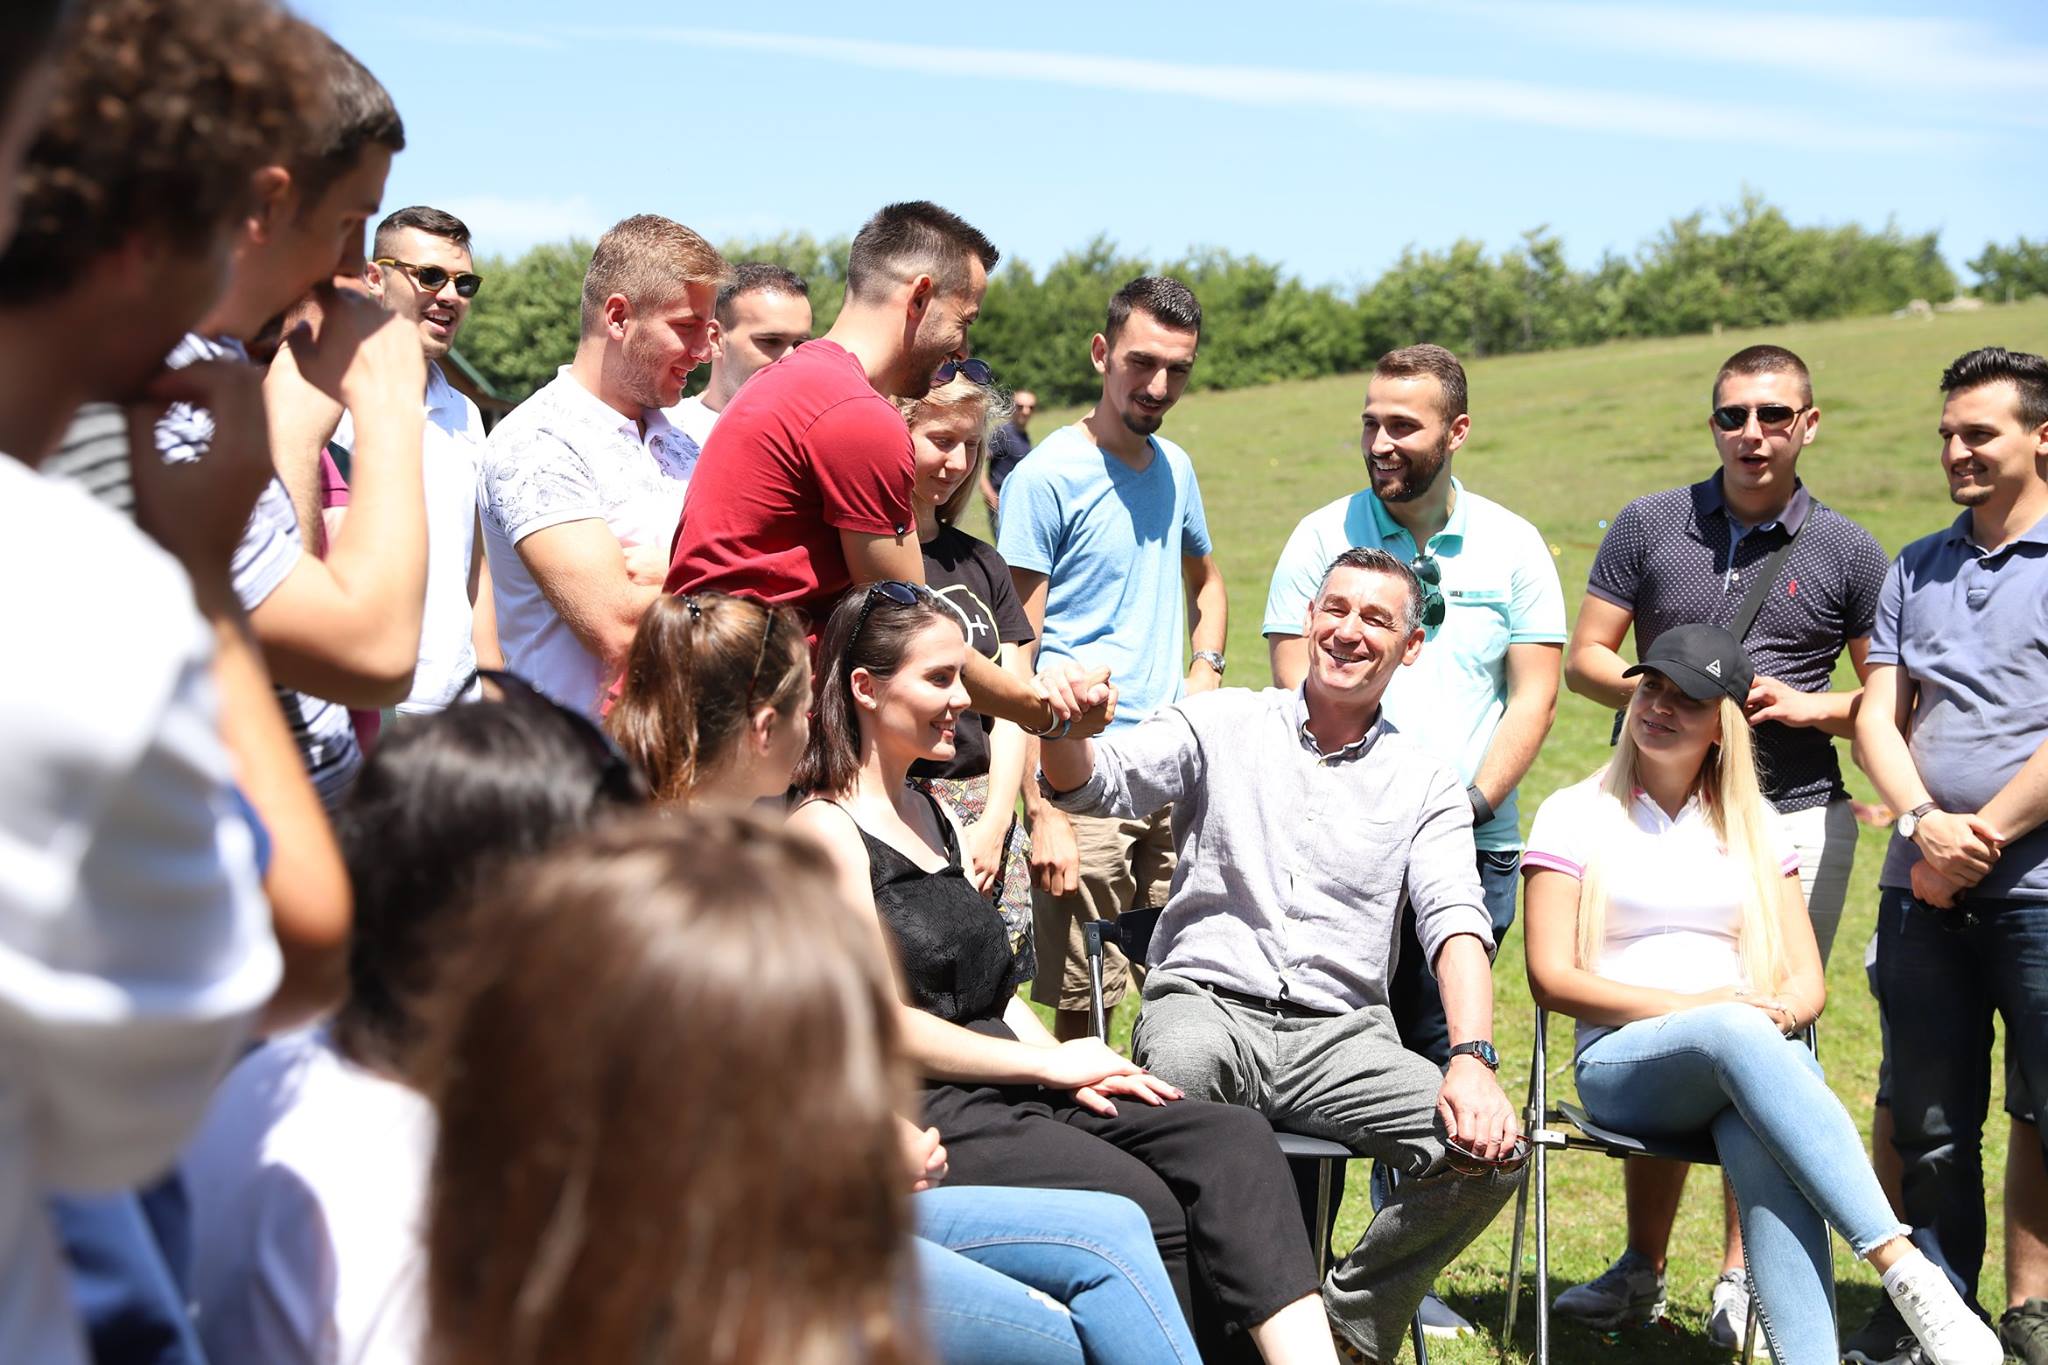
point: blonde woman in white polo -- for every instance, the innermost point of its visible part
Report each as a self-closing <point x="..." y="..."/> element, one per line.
<point x="1664" y="914"/>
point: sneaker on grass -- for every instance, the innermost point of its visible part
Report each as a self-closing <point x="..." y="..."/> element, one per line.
<point x="1626" y="1293"/>
<point x="1439" y="1319"/>
<point x="2024" y="1330"/>
<point x="1728" y="1319"/>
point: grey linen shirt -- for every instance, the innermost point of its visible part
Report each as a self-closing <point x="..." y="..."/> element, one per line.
<point x="1292" y="863"/>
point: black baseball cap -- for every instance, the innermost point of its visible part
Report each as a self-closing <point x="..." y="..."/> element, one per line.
<point x="1703" y="661"/>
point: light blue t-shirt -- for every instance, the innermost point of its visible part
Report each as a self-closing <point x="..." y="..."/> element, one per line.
<point x="1500" y="588"/>
<point x="1109" y="540"/>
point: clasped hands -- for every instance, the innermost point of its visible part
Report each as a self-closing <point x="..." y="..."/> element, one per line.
<point x="1083" y="699"/>
<point x="1958" y="851"/>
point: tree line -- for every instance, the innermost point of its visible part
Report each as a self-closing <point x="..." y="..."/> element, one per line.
<point x="1746" y="266"/>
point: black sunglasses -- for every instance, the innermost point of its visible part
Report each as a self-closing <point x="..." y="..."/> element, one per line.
<point x="1431" y="575"/>
<point x="890" y="589"/>
<point x="977" y="372"/>
<point x="433" y="277"/>
<point x="1465" y="1161"/>
<point x="618" y="779"/>
<point x="1734" y="416"/>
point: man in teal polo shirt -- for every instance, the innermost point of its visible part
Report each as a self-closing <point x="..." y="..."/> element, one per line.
<point x="1484" y="691"/>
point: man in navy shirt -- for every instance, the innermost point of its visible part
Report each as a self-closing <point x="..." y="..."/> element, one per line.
<point x="1954" y="732"/>
<point x="1011" y="443"/>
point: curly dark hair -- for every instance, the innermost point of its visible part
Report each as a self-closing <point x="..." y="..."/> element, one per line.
<point x="164" y="109"/>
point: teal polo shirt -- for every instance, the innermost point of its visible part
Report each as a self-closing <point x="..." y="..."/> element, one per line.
<point x="1500" y="588"/>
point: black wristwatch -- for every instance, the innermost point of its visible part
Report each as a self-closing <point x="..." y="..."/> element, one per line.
<point x="1482" y="809"/>
<point x="1481" y="1049"/>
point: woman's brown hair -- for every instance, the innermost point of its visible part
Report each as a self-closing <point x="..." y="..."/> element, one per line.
<point x="699" y="668"/>
<point x="666" y="1088"/>
<point x="870" y="630"/>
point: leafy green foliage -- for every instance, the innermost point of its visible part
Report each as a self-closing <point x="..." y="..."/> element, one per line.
<point x="1747" y="267"/>
<point x="2011" y="273"/>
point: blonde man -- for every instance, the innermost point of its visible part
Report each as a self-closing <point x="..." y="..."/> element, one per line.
<point x="583" y="483"/>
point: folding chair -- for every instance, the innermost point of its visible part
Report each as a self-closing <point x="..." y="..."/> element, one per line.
<point x="1541" y="1120"/>
<point x="1132" y="932"/>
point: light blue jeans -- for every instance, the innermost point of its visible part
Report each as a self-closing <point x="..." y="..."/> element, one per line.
<point x="1788" y="1146"/>
<point x="1044" y="1277"/>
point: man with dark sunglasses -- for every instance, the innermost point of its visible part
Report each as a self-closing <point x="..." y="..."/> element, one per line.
<point x="1750" y="548"/>
<point x="1483" y="693"/>
<point x="421" y="271"/>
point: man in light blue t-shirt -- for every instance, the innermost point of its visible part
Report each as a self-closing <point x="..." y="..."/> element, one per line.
<point x="1104" y="533"/>
<point x="1485" y="689"/>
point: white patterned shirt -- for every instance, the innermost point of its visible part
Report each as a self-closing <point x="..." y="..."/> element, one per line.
<point x="566" y="455"/>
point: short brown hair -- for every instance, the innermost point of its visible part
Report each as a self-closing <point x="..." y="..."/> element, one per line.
<point x="1160" y="297"/>
<point x="356" y="114"/>
<point x="164" y="109"/>
<point x="698" y="669"/>
<point x="649" y="259"/>
<point x="1426" y="360"/>
<point x="2025" y="371"/>
<point x="613" y="1180"/>
<point x="420" y="218"/>
<point x="916" y="237"/>
<point x="1765" y="359"/>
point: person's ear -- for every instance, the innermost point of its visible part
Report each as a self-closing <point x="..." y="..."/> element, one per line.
<point x="761" y="729"/>
<point x="1461" y="427"/>
<point x="618" y="311"/>
<point x="1098" y="353"/>
<point x="1412" y="651"/>
<point x="866" y="689"/>
<point x="273" y="199"/>
<point x="1811" y="419"/>
<point x="923" y="290"/>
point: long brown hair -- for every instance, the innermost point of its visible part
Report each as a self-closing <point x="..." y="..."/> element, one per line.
<point x="666" y="1089"/>
<point x="867" y="630"/>
<point x="699" y="668"/>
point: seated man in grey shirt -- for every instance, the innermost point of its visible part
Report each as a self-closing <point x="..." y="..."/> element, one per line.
<point x="1302" y="820"/>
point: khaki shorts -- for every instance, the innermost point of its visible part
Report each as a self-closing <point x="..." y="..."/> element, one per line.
<point x="1125" y="865"/>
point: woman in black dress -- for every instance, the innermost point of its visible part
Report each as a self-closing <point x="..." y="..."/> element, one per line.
<point x="1013" y="1106"/>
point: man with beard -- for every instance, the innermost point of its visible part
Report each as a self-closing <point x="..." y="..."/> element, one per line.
<point x="803" y="491"/>
<point x="1105" y="536"/>
<point x="582" y="483"/>
<point x="1698" y="553"/>
<point x="1483" y="693"/>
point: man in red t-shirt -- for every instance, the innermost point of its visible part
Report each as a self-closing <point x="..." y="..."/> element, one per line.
<point x="803" y="489"/>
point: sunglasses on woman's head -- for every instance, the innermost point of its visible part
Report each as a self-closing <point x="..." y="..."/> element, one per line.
<point x="977" y="372"/>
<point x="1734" y="416"/>
<point x="617" y="778"/>
<point x="890" y="589"/>
<point x="433" y="277"/>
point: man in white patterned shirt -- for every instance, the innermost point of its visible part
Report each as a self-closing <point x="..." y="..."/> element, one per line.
<point x="583" y="483"/>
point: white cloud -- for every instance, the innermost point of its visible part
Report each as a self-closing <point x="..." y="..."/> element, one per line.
<point x="1930" y="59"/>
<point x="1521" y="102"/>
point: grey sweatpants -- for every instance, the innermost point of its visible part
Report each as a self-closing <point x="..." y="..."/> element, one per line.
<point x="1346" y="1078"/>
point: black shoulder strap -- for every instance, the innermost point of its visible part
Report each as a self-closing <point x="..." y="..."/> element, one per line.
<point x="1760" y="587"/>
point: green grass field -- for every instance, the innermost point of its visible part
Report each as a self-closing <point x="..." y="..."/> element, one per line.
<point x="1564" y="439"/>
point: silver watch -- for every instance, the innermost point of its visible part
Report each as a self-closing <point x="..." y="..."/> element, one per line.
<point x="1211" y="658"/>
<point x="1910" y="821"/>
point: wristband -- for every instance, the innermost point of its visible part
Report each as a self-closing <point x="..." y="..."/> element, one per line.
<point x="1050" y="725"/>
<point x="1482" y="809"/>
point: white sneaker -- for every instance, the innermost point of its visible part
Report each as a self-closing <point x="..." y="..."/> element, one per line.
<point x="1626" y="1293"/>
<point x="1943" y="1324"/>
<point x="1729" y="1317"/>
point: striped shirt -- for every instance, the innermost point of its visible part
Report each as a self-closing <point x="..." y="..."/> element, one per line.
<point x="94" y="452"/>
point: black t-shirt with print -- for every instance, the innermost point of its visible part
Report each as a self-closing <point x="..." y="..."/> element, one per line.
<point x="969" y="574"/>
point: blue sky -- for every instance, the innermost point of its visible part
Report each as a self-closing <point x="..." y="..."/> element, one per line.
<point x="1321" y="134"/>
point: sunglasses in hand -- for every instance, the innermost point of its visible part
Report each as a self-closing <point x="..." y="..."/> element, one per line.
<point x="1465" y="1161"/>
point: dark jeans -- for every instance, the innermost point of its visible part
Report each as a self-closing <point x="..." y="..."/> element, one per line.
<point x="1412" y="993"/>
<point x="127" y="1257"/>
<point x="1941" y="974"/>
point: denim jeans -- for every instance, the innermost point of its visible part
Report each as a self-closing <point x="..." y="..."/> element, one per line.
<point x="1412" y="992"/>
<point x="1941" y="973"/>
<point x="1789" y="1148"/>
<point x="1044" y="1277"/>
<point x="126" y="1254"/>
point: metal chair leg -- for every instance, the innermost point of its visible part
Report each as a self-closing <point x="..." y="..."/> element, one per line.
<point x="1749" y="1330"/>
<point x="1539" y="1158"/>
<point x="1322" y="1219"/>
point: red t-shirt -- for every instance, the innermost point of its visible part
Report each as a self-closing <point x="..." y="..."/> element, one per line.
<point x="805" y="450"/>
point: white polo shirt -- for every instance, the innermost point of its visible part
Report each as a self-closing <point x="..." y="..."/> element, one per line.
<point x="566" y="455"/>
<point x="451" y="457"/>
<point x="1674" y="896"/>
